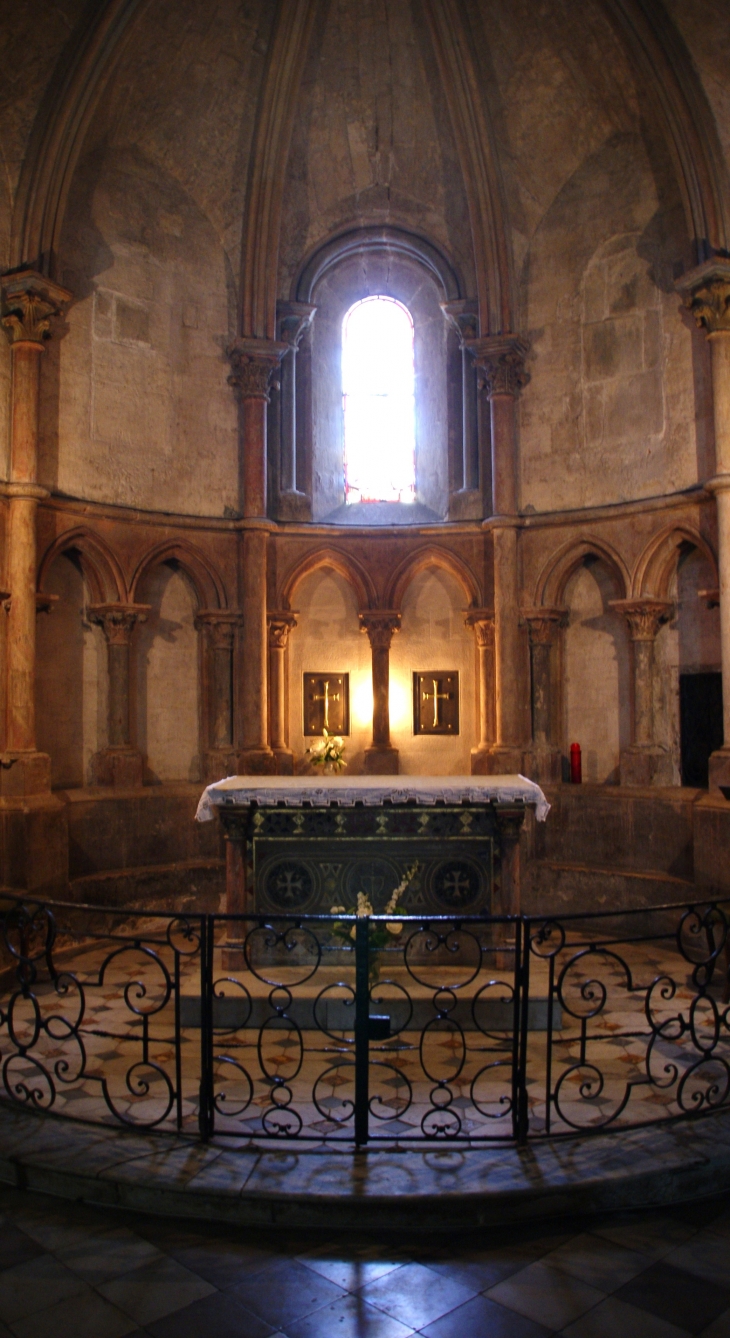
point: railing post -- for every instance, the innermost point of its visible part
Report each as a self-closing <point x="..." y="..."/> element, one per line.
<point x="362" y="1040"/>
<point x="516" y="1028"/>
<point x="206" y="1110"/>
<point x="522" y="1106"/>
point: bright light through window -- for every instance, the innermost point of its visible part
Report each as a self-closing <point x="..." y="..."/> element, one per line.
<point x="378" y="402"/>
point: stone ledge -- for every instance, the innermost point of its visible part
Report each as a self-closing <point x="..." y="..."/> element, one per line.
<point x="423" y="1190"/>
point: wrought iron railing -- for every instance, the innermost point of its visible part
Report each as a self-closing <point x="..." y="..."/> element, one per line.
<point x="379" y="1029"/>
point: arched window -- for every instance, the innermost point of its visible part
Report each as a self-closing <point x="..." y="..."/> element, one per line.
<point x="378" y="402"/>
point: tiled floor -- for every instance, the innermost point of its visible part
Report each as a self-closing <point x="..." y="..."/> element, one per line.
<point x="68" y="1269"/>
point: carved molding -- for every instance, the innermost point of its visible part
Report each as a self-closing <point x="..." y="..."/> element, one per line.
<point x="500" y="360"/>
<point x="118" y="620"/>
<point x="30" y="303"/>
<point x="644" y="616"/>
<point x="281" y="622"/>
<point x="380" y="625"/>
<point x="294" y="319"/>
<point x="464" y="316"/>
<point x="706" y="292"/>
<point x="544" y="623"/>
<point x="481" y="622"/>
<point x="253" y="362"/>
<point x="220" y="626"/>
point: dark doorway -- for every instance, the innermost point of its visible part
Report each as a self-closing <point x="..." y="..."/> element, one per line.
<point x="700" y="722"/>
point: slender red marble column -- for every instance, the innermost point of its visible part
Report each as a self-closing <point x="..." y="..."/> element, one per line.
<point x="645" y="762"/>
<point x="120" y="764"/>
<point x="381" y="758"/>
<point x="30" y="302"/>
<point x="281" y="623"/>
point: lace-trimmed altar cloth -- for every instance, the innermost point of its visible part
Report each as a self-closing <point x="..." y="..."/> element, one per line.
<point x="370" y="790"/>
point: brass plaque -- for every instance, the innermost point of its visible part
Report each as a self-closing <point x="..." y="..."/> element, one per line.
<point x="436" y="702"/>
<point x="326" y="704"/>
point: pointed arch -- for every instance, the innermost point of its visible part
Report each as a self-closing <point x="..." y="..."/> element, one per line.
<point x="432" y="556"/>
<point x="100" y="567"/>
<point x="204" y="577"/>
<point x="345" y="565"/>
<point x="550" y="588"/>
<point x="658" y="562"/>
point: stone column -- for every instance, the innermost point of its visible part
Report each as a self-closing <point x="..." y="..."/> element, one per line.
<point x="501" y="363"/>
<point x="482" y="623"/>
<point x="119" y="764"/>
<point x="218" y="627"/>
<point x="281" y="623"/>
<point x="706" y="292"/>
<point x="645" y="762"/>
<point x="30" y="302"/>
<point x="381" y="758"/>
<point x="253" y="361"/>
<point x="294" y="319"/>
<point x="544" y="762"/>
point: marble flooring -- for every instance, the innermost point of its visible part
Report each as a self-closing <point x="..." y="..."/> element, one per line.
<point x="72" y="1271"/>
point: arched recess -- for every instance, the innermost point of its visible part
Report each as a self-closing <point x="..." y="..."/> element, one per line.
<point x="328" y="640"/>
<point x="101" y="570"/>
<point x="71" y="662"/>
<point x="596" y="693"/>
<point x="554" y="577"/>
<point x="167" y="659"/>
<point x="356" y="242"/>
<point x="201" y="572"/>
<point x="440" y="559"/>
<point x="345" y="565"/>
<point x="656" y="569"/>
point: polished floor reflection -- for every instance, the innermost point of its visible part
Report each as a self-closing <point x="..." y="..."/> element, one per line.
<point x="70" y="1269"/>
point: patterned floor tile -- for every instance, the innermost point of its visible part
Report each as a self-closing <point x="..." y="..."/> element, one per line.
<point x="676" y="1296"/>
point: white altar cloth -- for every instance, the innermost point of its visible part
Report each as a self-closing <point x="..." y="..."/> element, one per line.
<point x="370" y="790"/>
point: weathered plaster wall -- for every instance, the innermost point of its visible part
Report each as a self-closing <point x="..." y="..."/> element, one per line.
<point x="704" y="26"/>
<point x="328" y="638"/>
<point x="597" y="701"/>
<point x="432" y="636"/>
<point x="166" y="656"/>
<point x="610" y="412"/>
<point x="372" y="142"/>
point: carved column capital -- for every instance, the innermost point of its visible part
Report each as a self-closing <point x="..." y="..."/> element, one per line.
<point x="481" y="622"/>
<point x="118" y="620"/>
<point x="706" y="293"/>
<point x="463" y="315"/>
<point x="281" y="622"/>
<point x="294" y="319"/>
<point x="220" y="625"/>
<point x="252" y="363"/>
<point x="644" y="616"/>
<point x="30" y="302"/>
<point x="380" y="625"/>
<point x="543" y="624"/>
<point x="500" y="360"/>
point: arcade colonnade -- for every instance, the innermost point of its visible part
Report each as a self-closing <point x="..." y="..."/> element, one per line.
<point x="512" y="571"/>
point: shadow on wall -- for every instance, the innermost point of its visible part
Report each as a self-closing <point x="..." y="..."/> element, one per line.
<point x="597" y="702"/>
<point x="167" y="676"/>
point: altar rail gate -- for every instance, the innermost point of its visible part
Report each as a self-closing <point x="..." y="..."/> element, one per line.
<point x="378" y="1029"/>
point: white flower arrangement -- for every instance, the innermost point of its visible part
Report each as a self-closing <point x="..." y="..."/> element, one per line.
<point x="328" y="752"/>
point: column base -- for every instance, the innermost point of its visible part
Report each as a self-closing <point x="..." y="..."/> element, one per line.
<point x="24" y="773"/>
<point x="499" y="759"/>
<point x="219" y="763"/>
<point x="34" y="843"/>
<point x="121" y="768"/>
<point x="719" y="769"/>
<point x="256" y="762"/>
<point x="381" y="762"/>
<point x="543" y="765"/>
<point x="645" y="764"/>
<point x="284" y="761"/>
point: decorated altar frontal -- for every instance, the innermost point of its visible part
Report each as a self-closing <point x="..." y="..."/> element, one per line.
<point x="303" y="844"/>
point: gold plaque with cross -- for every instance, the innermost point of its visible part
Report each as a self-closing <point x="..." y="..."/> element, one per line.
<point x="326" y="704"/>
<point x="436" y="702"/>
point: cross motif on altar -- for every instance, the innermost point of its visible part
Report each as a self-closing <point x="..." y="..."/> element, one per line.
<point x="436" y="702"/>
<point x="324" y="696"/>
<point x="326" y="703"/>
